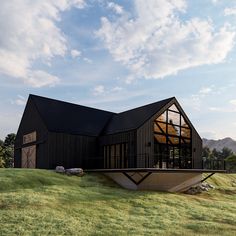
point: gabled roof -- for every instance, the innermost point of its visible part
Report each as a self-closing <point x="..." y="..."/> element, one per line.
<point x="133" y="119"/>
<point x="65" y="117"/>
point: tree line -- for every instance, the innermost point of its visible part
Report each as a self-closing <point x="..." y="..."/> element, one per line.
<point x="7" y="151"/>
<point x="224" y="155"/>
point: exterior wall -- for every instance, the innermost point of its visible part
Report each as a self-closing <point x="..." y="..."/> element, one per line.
<point x="30" y="122"/>
<point x="196" y="150"/>
<point x="72" y="151"/>
<point x="196" y="143"/>
<point x="54" y="149"/>
<point x="145" y="141"/>
<point x="126" y="137"/>
<point x="145" y="145"/>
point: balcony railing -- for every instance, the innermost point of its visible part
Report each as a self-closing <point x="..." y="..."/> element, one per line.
<point x="155" y="161"/>
<point x="213" y="164"/>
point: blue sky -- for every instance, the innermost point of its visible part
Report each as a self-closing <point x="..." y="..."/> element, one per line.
<point x="117" y="55"/>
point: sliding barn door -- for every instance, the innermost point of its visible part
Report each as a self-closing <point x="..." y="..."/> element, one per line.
<point x="28" y="157"/>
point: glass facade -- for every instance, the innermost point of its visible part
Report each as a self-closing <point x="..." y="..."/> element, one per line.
<point x="115" y="156"/>
<point x="172" y="140"/>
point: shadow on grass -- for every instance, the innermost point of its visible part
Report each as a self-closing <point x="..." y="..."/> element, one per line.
<point x="227" y="191"/>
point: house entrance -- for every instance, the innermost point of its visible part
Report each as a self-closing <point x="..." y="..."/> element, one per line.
<point x="28" y="157"/>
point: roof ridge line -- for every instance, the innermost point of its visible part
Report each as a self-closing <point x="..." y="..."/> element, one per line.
<point x="146" y="105"/>
<point x="70" y="103"/>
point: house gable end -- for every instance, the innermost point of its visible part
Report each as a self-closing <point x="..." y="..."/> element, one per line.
<point x="31" y="121"/>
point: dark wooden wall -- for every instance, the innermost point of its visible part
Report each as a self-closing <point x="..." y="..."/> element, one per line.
<point x="145" y="144"/>
<point x="196" y="150"/>
<point x="72" y="150"/>
<point x="145" y="141"/>
<point x="53" y="149"/>
<point x="31" y="122"/>
<point x="87" y="152"/>
<point x="126" y="137"/>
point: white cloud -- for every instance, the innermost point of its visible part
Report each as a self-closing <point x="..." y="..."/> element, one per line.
<point x="21" y="101"/>
<point x="29" y="33"/>
<point x="218" y="109"/>
<point x="227" y="108"/>
<point x="87" y="60"/>
<point x="116" y="89"/>
<point x="215" y="1"/>
<point x="196" y="101"/>
<point x="98" y="90"/>
<point x="115" y="7"/>
<point x="39" y="78"/>
<point x="205" y="90"/>
<point x="233" y="102"/>
<point x="75" y="53"/>
<point x="230" y="11"/>
<point x="105" y="92"/>
<point x="156" y="43"/>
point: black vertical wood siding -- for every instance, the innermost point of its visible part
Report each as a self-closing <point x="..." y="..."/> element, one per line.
<point x="126" y="137"/>
<point x="68" y="150"/>
<point x="196" y="150"/>
<point x="71" y="150"/>
<point x="31" y="122"/>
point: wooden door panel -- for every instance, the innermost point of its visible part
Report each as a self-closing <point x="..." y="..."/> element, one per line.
<point x="28" y="157"/>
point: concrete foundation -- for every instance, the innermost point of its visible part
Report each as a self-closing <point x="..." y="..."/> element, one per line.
<point x="162" y="181"/>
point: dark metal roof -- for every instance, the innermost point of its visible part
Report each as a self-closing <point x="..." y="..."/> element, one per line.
<point x="133" y="119"/>
<point x="66" y="117"/>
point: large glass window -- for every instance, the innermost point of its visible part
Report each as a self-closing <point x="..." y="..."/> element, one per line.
<point x="116" y="156"/>
<point x="172" y="139"/>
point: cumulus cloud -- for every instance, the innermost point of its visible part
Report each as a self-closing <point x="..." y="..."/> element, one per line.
<point x="75" y="53"/>
<point x="205" y="90"/>
<point x="155" y="42"/>
<point x="115" y="7"/>
<point x="28" y="34"/>
<point x="116" y="89"/>
<point x="20" y="100"/>
<point x="230" y="11"/>
<point x="227" y="108"/>
<point x="89" y="61"/>
<point x="103" y="91"/>
<point x="196" y="101"/>
<point x="100" y="89"/>
<point x="215" y="1"/>
<point x="233" y="102"/>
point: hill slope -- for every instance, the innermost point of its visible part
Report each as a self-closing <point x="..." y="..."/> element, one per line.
<point x="40" y="202"/>
<point x="220" y="144"/>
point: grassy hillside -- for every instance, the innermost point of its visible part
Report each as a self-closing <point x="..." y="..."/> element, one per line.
<point x="40" y="202"/>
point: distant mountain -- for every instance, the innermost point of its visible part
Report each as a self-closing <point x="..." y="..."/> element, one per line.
<point x="220" y="144"/>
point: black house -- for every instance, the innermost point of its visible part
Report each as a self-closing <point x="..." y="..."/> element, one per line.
<point x="157" y="135"/>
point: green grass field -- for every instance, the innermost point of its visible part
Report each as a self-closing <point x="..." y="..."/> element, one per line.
<point x="40" y="202"/>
